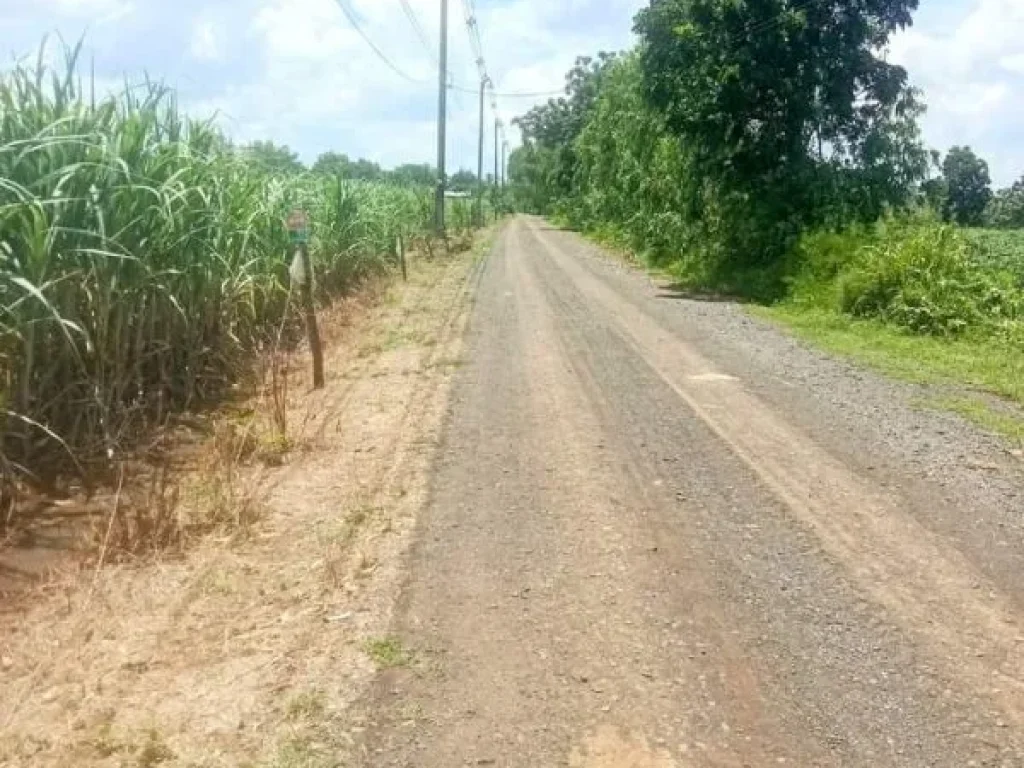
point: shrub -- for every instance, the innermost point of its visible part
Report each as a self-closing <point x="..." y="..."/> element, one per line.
<point x="927" y="280"/>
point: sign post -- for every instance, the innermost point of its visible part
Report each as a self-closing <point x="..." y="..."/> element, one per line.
<point x="298" y="234"/>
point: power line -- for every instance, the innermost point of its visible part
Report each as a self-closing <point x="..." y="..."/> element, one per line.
<point x="354" y="21"/>
<point x="513" y="95"/>
<point x="417" y="26"/>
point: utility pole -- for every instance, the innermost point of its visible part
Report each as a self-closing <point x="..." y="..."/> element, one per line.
<point x="504" y="164"/>
<point x="497" y="172"/>
<point x="480" y="159"/>
<point x="442" y="121"/>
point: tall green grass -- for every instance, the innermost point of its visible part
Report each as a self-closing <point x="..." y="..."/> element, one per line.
<point x="143" y="261"/>
<point x="924" y="277"/>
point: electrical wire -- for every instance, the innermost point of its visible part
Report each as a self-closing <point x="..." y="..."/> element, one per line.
<point x="418" y="28"/>
<point x="354" y="21"/>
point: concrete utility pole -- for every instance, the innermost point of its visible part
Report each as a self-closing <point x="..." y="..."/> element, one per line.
<point x="442" y="121"/>
<point x="497" y="171"/>
<point x="480" y="159"/>
<point x="504" y="164"/>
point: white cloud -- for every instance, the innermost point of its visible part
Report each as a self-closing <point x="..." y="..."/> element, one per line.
<point x="319" y="85"/>
<point x="296" y="71"/>
<point x="1014" y="63"/>
<point x="206" y="41"/>
<point x="970" y="69"/>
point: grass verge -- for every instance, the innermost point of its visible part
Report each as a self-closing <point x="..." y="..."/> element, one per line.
<point x="983" y="365"/>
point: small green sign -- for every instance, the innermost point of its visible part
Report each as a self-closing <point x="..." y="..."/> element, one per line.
<point x="298" y="227"/>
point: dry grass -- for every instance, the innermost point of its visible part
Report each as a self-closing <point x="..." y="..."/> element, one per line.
<point x="226" y="625"/>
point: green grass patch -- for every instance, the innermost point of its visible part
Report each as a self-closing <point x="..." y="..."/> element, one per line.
<point x="999" y="248"/>
<point x="308" y="705"/>
<point x="388" y="652"/>
<point x="987" y="364"/>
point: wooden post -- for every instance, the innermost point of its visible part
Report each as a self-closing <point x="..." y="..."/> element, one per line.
<point x="312" y="330"/>
<point x="298" y="230"/>
<point x="401" y="258"/>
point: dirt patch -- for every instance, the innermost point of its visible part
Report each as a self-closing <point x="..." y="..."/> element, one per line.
<point x="607" y="747"/>
<point x="248" y="650"/>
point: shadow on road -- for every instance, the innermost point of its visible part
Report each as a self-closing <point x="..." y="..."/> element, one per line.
<point x="687" y="293"/>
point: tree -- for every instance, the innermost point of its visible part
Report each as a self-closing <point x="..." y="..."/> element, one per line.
<point x="1006" y="209"/>
<point x="341" y="165"/>
<point x="462" y="181"/>
<point x="414" y="175"/>
<point x="273" y="158"/>
<point x="634" y="178"/>
<point x="968" y="186"/>
<point x="550" y="130"/>
<point x="366" y="170"/>
<point x="333" y="164"/>
<point x="788" y="109"/>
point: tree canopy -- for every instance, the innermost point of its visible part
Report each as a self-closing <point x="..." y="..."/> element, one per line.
<point x="462" y="181"/>
<point x="1006" y="209"/>
<point x="272" y="157"/>
<point x="789" y="108"/>
<point x="968" y="186"/>
<point x="730" y="130"/>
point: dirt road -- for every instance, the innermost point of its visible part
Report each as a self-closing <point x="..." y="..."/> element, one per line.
<point x="661" y="534"/>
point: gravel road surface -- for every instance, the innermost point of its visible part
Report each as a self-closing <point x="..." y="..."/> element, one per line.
<point x="662" y="534"/>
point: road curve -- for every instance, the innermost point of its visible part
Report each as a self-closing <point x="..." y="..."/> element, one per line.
<point x="662" y="535"/>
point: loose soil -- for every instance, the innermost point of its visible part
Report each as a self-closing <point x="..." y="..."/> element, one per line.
<point x="248" y="649"/>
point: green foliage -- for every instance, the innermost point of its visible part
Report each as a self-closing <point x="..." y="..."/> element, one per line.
<point x="271" y="158"/>
<point x="968" y="186"/>
<point x="927" y="278"/>
<point x="143" y="261"/>
<point x="414" y="175"/>
<point x="1006" y="208"/>
<point x="733" y="129"/>
<point x="343" y="167"/>
<point x="927" y="281"/>
<point x="631" y="175"/>
<point x="547" y="161"/>
<point x="787" y="110"/>
<point x="462" y="181"/>
<point x="1000" y="249"/>
<point x="984" y="363"/>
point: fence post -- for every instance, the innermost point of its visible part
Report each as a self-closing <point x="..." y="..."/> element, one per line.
<point x="401" y="257"/>
<point x="298" y="230"/>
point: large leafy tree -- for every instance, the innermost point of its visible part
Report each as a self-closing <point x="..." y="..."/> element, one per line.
<point x="787" y="107"/>
<point x="273" y="158"/>
<point x="462" y="181"/>
<point x="968" y="186"/>
<point x="633" y="177"/>
<point x="551" y="129"/>
<point x="342" y="166"/>
<point x="333" y="164"/>
<point x="415" y="175"/>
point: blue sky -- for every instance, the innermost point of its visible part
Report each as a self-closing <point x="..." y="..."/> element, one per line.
<point x="296" y="72"/>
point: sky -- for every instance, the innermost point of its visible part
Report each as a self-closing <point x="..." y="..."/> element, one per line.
<point x="297" y="72"/>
